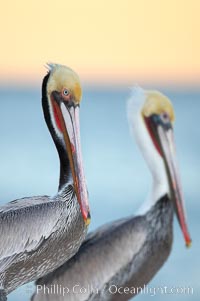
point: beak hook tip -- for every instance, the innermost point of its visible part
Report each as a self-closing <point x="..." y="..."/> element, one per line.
<point x="188" y="244"/>
<point x="88" y="219"/>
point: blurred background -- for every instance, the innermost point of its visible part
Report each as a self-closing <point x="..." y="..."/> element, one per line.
<point x="112" y="45"/>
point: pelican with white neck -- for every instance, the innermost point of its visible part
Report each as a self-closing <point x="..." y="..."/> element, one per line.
<point x="151" y="117"/>
<point x="125" y="255"/>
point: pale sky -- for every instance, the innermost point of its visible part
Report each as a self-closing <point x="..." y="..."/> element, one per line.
<point x="105" y="41"/>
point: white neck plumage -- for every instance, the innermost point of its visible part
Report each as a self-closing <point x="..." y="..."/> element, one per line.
<point x="155" y="162"/>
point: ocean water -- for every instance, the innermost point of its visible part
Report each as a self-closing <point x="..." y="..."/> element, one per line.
<point x="117" y="176"/>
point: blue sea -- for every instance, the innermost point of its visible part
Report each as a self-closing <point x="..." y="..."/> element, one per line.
<point x="117" y="177"/>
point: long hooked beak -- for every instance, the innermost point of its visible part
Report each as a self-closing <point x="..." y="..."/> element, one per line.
<point x="164" y="141"/>
<point x="69" y="122"/>
<point x="168" y="147"/>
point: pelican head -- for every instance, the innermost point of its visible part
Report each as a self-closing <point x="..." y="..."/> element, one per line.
<point x="151" y="117"/>
<point x="61" y="97"/>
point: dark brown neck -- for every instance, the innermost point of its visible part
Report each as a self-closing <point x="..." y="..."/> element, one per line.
<point x="65" y="173"/>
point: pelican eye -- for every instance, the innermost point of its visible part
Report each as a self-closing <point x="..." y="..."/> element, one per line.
<point x="162" y="119"/>
<point x="66" y="92"/>
<point x="165" y="118"/>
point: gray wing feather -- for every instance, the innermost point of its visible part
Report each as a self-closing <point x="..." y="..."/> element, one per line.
<point x="102" y="255"/>
<point x="25" y="223"/>
<point x="106" y="229"/>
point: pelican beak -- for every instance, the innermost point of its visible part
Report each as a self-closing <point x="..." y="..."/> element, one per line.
<point x="164" y="142"/>
<point x="68" y="115"/>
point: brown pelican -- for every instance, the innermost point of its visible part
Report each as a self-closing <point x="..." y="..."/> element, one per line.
<point x="123" y="256"/>
<point x="38" y="234"/>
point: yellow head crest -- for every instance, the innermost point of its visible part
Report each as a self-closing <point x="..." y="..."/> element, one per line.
<point x="64" y="77"/>
<point x="157" y="103"/>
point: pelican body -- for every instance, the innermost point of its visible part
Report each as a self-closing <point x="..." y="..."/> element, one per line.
<point x="38" y="234"/>
<point x="118" y="259"/>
